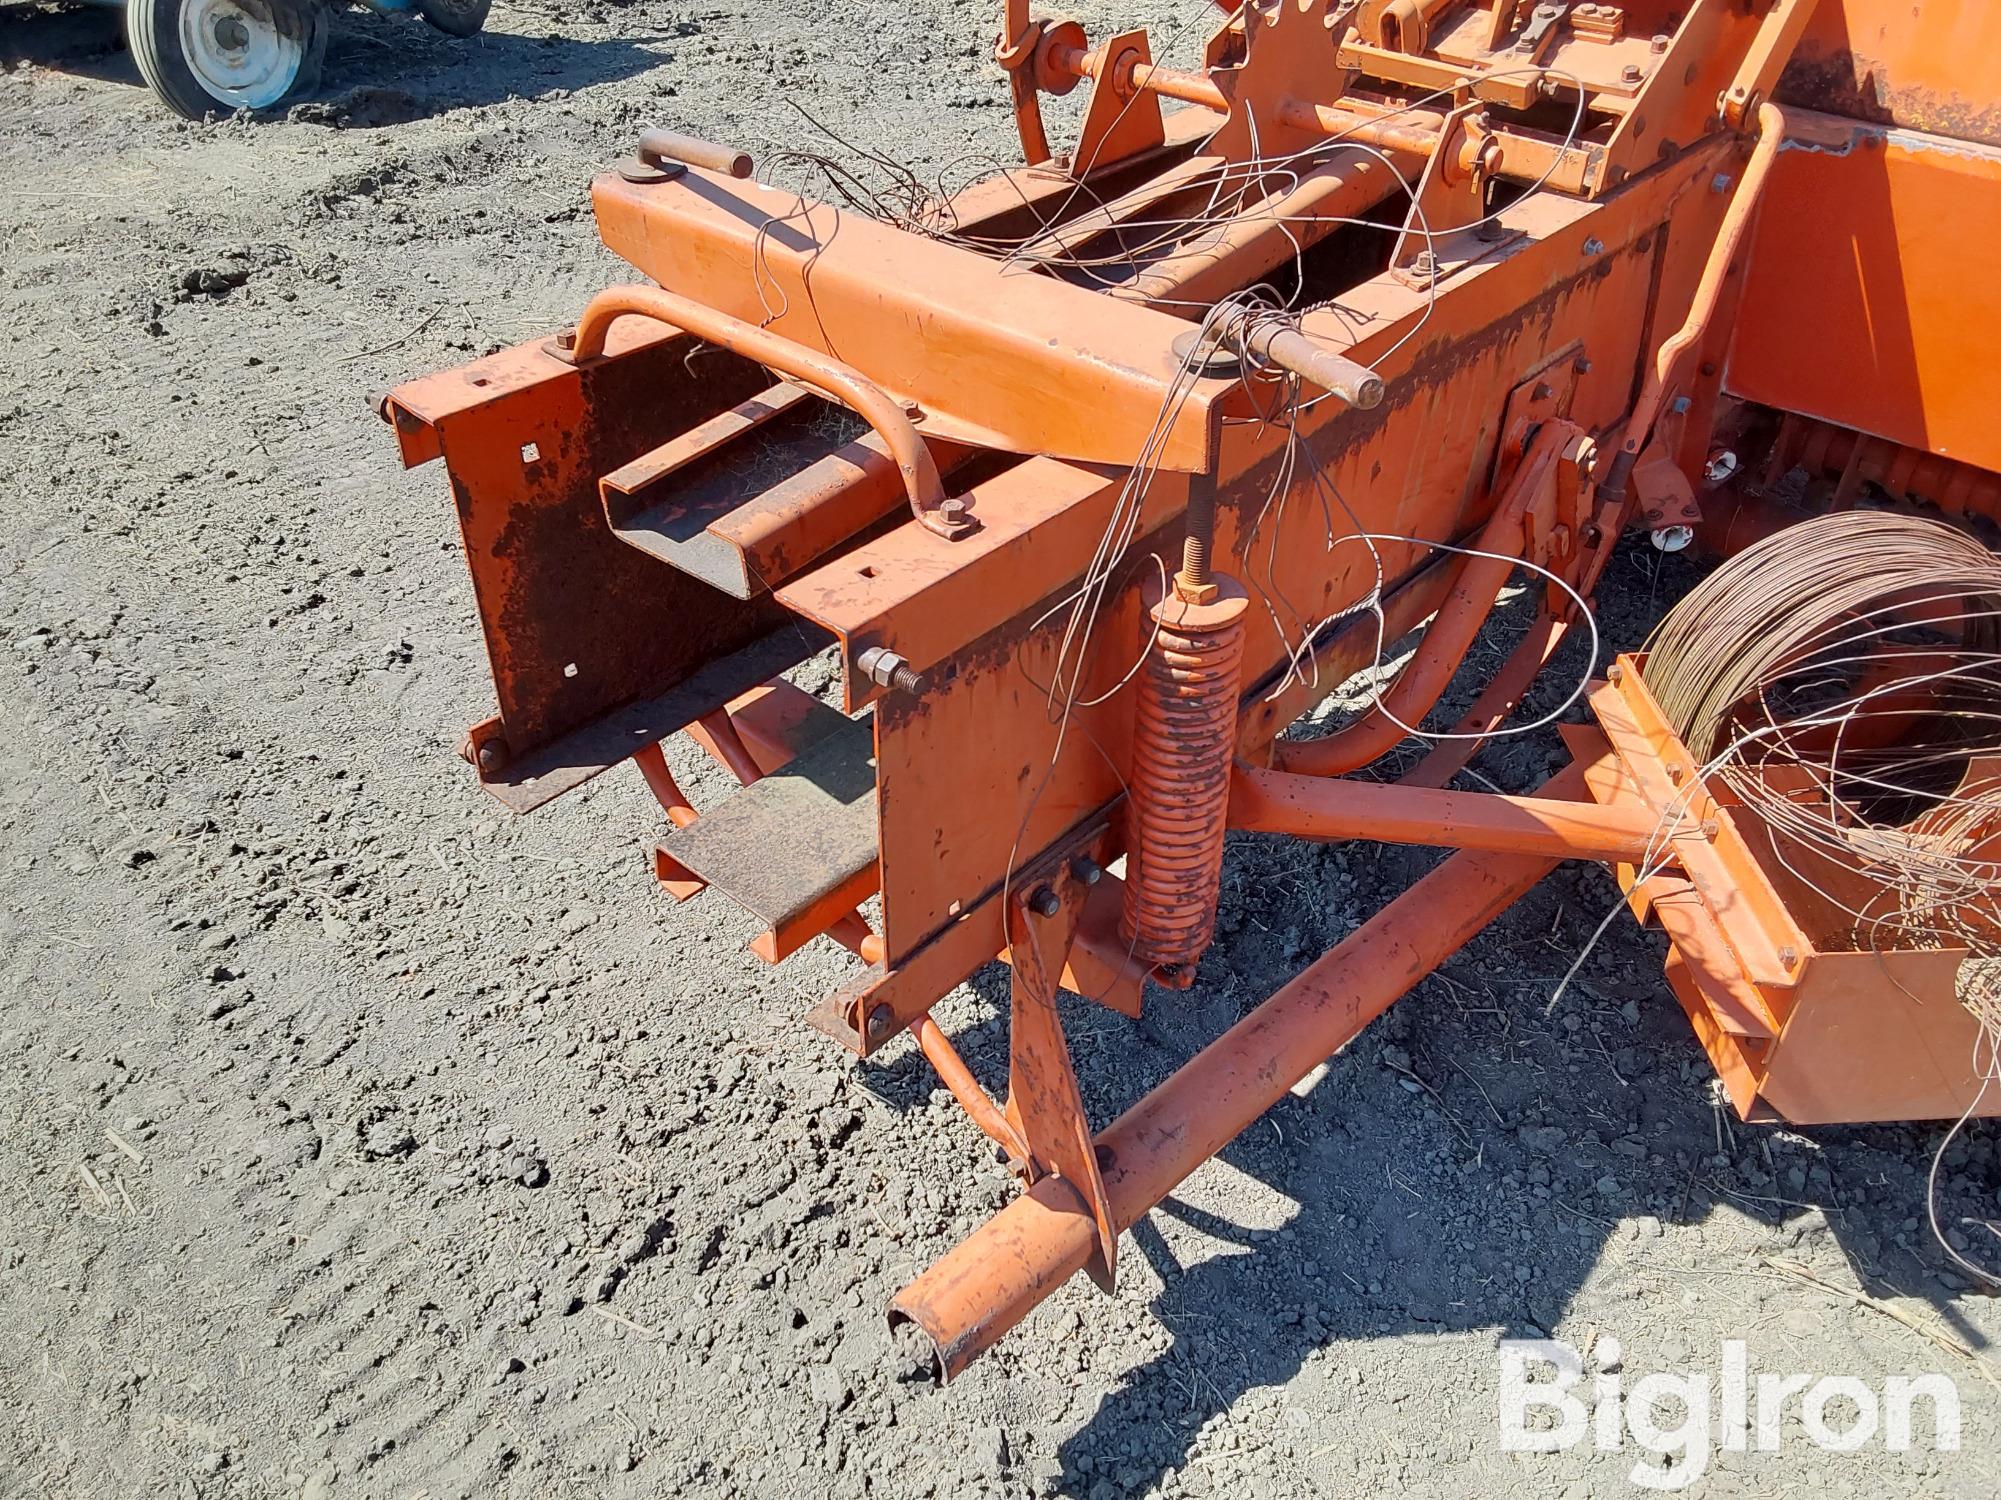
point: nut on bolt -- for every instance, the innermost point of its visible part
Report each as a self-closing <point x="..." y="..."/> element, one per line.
<point x="885" y="668"/>
<point x="1044" y="902"/>
<point x="1087" y="870"/>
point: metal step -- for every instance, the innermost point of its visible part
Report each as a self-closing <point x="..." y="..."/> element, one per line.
<point x="797" y="849"/>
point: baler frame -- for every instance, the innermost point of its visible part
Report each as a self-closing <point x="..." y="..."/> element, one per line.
<point x="1537" y="363"/>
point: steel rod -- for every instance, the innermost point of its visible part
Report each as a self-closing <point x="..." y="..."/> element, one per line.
<point x="964" y="1087"/>
<point x="1320" y="807"/>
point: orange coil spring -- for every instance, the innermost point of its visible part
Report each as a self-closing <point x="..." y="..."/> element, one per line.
<point x="1184" y="734"/>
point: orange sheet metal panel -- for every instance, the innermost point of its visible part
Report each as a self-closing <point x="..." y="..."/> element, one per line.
<point x="1931" y="65"/>
<point x="1870" y="298"/>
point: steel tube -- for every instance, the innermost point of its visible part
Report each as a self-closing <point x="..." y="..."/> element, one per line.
<point x="964" y="1087"/>
<point x="1666" y="371"/>
<point x="997" y="1275"/>
<point x="692" y="151"/>
<point x="1169" y="83"/>
<point x="1317" y="365"/>
<point x="810" y="367"/>
<point x="1236" y="252"/>
<point x="1321" y="807"/>
<point x="1414" y="131"/>
<point x="1451" y="632"/>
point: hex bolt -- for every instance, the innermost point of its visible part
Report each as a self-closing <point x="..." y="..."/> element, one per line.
<point x="1680" y="405"/>
<point x="492" y="756"/>
<point x="1044" y="902"/>
<point x="879" y="1021"/>
<point x="1594" y="246"/>
<point x="1720" y="183"/>
<point x="1615" y="673"/>
<point x="953" y="511"/>
<point x="1087" y="870"/>
<point x="885" y="668"/>
<point x="1581" y="365"/>
<point x="1660" y="42"/>
<point x="1632" y="73"/>
<point x="1788" y="956"/>
<point x="566" y="339"/>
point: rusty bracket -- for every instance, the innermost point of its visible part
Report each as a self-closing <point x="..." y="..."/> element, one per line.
<point x="1445" y="229"/>
<point x="1121" y="120"/>
<point x="1043" y="1103"/>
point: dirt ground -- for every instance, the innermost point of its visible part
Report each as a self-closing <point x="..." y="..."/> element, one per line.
<point x="360" y="1140"/>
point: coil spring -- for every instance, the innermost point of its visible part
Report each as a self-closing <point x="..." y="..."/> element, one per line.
<point x="1184" y="734"/>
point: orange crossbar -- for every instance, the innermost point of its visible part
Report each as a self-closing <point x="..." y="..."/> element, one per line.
<point x="1319" y="807"/>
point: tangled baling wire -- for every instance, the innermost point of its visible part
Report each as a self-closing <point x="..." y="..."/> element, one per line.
<point x="1843" y="679"/>
<point x="1843" y="676"/>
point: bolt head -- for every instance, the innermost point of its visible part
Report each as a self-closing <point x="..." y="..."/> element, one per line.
<point x="1680" y="405"/>
<point x="492" y="756"/>
<point x="1594" y="246"/>
<point x="1044" y="902"/>
<point x="1632" y="73"/>
<point x="879" y="1021"/>
<point x="1720" y="183"/>
<point x="953" y="511"/>
<point x="1660" y="42"/>
<point x="1087" y="871"/>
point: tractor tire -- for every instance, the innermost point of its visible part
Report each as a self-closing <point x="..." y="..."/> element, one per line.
<point x="206" y="57"/>
<point x="456" y="17"/>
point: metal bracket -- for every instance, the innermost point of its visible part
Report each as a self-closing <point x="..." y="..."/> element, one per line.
<point x="1044" y="1104"/>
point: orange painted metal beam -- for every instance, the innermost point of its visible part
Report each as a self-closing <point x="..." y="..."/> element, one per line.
<point x="1320" y="807"/>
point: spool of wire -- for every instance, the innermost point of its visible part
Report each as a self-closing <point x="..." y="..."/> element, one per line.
<point x="1843" y="679"/>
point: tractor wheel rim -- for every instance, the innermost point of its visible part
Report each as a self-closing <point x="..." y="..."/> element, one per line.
<point x="243" y="52"/>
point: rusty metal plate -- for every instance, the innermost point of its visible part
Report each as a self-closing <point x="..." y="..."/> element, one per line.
<point x="577" y="624"/>
<point x="528" y="781"/>
<point x="1892" y="62"/>
<point x="1869" y="300"/>
<point x="797" y="848"/>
